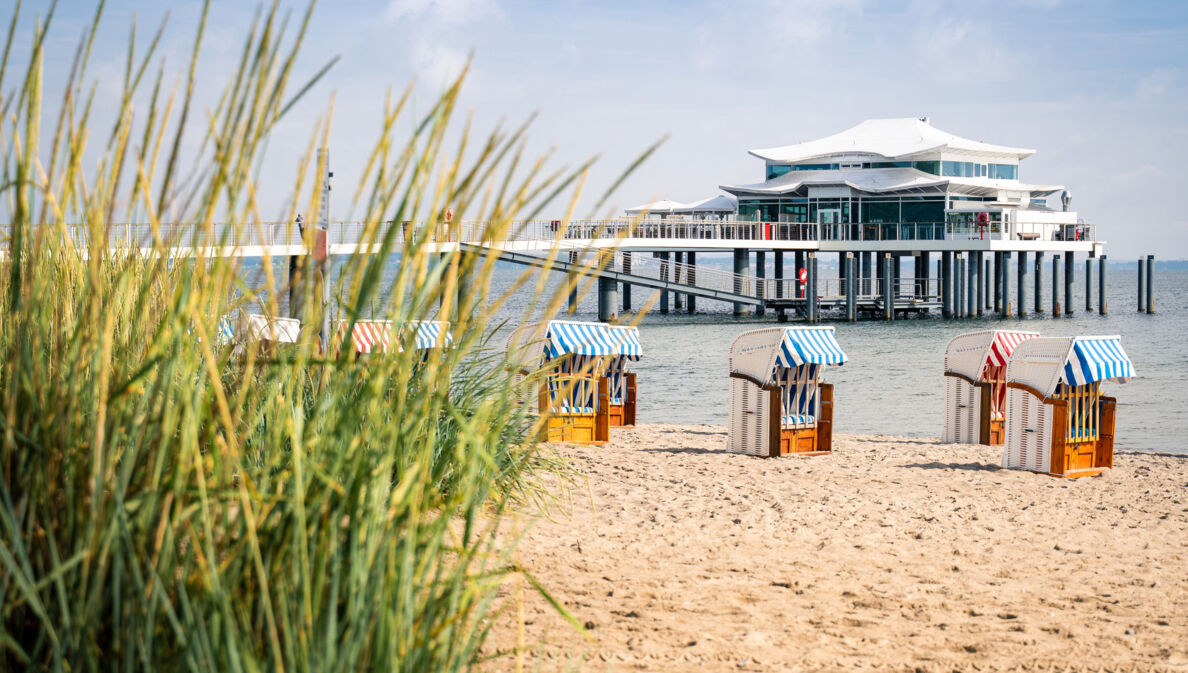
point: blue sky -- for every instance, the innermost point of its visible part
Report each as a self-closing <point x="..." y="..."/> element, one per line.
<point x="1100" y="89"/>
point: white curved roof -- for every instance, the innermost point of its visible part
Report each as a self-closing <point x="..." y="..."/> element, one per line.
<point x="661" y="206"/>
<point x="721" y="203"/>
<point x="897" y="138"/>
<point x="877" y="180"/>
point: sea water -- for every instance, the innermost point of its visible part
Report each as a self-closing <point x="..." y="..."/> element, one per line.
<point x="893" y="382"/>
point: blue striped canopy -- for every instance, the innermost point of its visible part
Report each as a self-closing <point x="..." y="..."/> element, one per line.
<point x="816" y="346"/>
<point x="1096" y="359"/>
<point x="432" y="334"/>
<point x="585" y="338"/>
<point x="226" y="332"/>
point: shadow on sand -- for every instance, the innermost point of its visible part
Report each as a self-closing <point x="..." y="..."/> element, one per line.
<point x="977" y="467"/>
<point x="685" y="449"/>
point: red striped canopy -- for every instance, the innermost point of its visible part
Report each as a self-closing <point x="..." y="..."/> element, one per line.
<point x="1003" y="345"/>
<point x="370" y="336"/>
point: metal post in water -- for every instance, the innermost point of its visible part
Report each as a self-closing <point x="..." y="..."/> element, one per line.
<point x="1141" y="285"/>
<point x="1055" y="285"/>
<point x="1070" y="273"/>
<point x="1004" y="260"/>
<point x="778" y="273"/>
<point x="1039" y="282"/>
<point x="1150" y="283"/>
<point x="691" y="279"/>
<point x="888" y="293"/>
<point x="971" y="285"/>
<point x="1022" y="280"/>
<point x="1089" y="285"/>
<point x="985" y="293"/>
<point x="1101" y="285"/>
<point x="865" y="275"/>
<point x="851" y="289"/>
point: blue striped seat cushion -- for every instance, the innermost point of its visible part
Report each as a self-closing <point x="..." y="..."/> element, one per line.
<point x="566" y="409"/>
<point x="800" y="420"/>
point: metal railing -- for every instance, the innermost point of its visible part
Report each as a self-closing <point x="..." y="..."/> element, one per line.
<point x="474" y="231"/>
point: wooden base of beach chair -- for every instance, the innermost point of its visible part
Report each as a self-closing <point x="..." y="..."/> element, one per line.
<point x="996" y="432"/>
<point x="1083" y="459"/>
<point x="623" y="415"/>
<point x="800" y="442"/>
<point x="574" y="428"/>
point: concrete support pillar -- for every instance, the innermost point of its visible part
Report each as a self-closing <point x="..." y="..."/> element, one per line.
<point x="881" y="270"/>
<point x="690" y="279"/>
<point x="778" y="273"/>
<point x="1039" y="282"/>
<point x="1004" y="260"/>
<point x="971" y="285"/>
<point x="1101" y="285"/>
<point x="998" y="283"/>
<point x="814" y="309"/>
<point x="608" y="289"/>
<point x="896" y="262"/>
<point x="626" y="287"/>
<point x="742" y="264"/>
<point x="665" y="275"/>
<point x="865" y="287"/>
<point x="761" y="279"/>
<point x="1070" y="272"/>
<point x="986" y="282"/>
<point x="979" y="295"/>
<point x="1150" y="283"/>
<point x="1055" y="285"/>
<point x="677" y="277"/>
<point x="888" y="291"/>
<point x="851" y="288"/>
<point x="924" y="273"/>
<point x="1020" y="303"/>
<point x="573" y="294"/>
<point x="946" y="278"/>
<point x="798" y="263"/>
<point x="1088" y="285"/>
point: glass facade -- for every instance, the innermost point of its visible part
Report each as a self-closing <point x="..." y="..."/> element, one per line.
<point x="876" y="210"/>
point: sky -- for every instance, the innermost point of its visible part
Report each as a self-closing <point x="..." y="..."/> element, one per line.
<point x="1099" y="89"/>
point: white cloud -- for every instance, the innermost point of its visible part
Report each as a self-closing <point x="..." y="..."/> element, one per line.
<point x="808" y="21"/>
<point x="438" y="65"/>
<point x="444" y="11"/>
<point x="1156" y="83"/>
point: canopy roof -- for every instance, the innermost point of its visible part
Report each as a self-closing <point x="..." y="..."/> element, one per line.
<point x="881" y="180"/>
<point x="722" y="203"/>
<point x="432" y="334"/>
<point x="898" y="138"/>
<point x="592" y="338"/>
<point x="813" y="345"/>
<point x="226" y="330"/>
<point x="969" y="354"/>
<point x="280" y="330"/>
<point x="760" y="354"/>
<point x="1094" y="359"/>
<point x="1044" y="363"/>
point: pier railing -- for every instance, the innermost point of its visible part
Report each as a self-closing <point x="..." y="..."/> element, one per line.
<point x="735" y="231"/>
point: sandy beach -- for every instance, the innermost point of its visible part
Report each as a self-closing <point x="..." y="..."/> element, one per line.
<point x="892" y="553"/>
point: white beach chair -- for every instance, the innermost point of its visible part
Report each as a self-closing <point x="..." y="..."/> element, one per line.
<point x="975" y="385"/>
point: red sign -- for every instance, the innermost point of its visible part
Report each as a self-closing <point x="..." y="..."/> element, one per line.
<point x="804" y="275"/>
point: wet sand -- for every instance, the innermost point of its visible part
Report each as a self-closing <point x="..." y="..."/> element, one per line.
<point x="892" y="553"/>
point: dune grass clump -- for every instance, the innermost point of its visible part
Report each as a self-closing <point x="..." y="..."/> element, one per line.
<point x="173" y="502"/>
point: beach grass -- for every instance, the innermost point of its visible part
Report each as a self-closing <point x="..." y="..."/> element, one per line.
<point x="173" y="502"/>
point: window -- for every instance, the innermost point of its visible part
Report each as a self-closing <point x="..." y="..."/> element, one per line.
<point x="968" y="172"/>
<point x="776" y="171"/>
<point x="927" y="166"/>
<point x="1004" y="171"/>
<point x="951" y="168"/>
<point x="815" y="167"/>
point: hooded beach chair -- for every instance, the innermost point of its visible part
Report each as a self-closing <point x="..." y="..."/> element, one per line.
<point x="975" y="386"/>
<point x="1058" y="422"/>
<point x="381" y="336"/>
<point x="576" y="392"/>
<point x="621" y="384"/>
<point x="270" y="333"/>
<point x="778" y="403"/>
